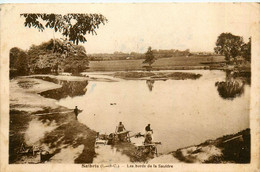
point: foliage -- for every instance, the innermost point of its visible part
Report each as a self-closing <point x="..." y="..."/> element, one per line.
<point x="230" y="89"/>
<point x="149" y="57"/>
<point x="72" y="26"/>
<point x="76" y="62"/>
<point x="229" y="45"/>
<point x="47" y="58"/>
<point x="18" y="61"/>
<point x="246" y="50"/>
<point x="42" y="58"/>
<point x="65" y="57"/>
<point x="56" y="54"/>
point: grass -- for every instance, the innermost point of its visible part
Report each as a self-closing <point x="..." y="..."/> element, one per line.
<point x="127" y="75"/>
<point x="192" y="62"/>
<point x="156" y="76"/>
<point x="27" y="84"/>
<point x="178" y="75"/>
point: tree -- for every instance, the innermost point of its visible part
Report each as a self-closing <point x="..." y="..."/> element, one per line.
<point x="149" y="57"/>
<point x="246" y="51"/>
<point x="229" y="45"/>
<point x="18" y="62"/>
<point x="72" y="26"/>
<point x="14" y="53"/>
<point x="69" y="58"/>
<point x="77" y="61"/>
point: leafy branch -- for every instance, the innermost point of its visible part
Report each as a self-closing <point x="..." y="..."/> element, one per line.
<point x="73" y="26"/>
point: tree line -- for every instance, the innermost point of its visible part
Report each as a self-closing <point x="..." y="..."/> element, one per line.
<point x="135" y="55"/>
<point x="47" y="58"/>
<point x="227" y="44"/>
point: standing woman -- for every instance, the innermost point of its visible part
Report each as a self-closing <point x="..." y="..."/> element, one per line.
<point x="76" y="111"/>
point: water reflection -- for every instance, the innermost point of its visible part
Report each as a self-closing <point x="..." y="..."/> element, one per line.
<point x="230" y="89"/>
<point x="150" y="84"/>
<point x="69" y="88"/>
<point x="233" y="86"/>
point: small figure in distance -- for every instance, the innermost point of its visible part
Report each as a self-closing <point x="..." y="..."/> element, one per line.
<point x="148" y="129"/>
<point x="76" y="111"/>
<point x="120" y="127"/>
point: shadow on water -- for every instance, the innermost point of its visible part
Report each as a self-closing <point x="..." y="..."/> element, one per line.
<point x="234" y="84"/>
<point x="150" y="84"/>
<point x="69" y="88"/>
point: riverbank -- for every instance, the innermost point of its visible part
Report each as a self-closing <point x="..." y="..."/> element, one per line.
<point x="38" y="125"/>
<point x="233" y="148"/>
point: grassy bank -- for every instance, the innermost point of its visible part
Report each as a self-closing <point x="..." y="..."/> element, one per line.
<point x="173" y="63"/>
<point x="67" y="133"/>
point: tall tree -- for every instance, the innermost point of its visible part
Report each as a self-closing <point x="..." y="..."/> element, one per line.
<point x="229" y="45"/>
<point x="149" y="57"/>
<point x="72" y="26"/>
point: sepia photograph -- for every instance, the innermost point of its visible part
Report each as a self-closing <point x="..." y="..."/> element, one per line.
<point x="138" y="85"/>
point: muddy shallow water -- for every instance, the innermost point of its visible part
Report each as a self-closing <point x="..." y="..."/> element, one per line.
<point x="181" y="112"/>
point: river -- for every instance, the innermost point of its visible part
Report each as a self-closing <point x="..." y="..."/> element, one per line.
<point x="181" y="112"/>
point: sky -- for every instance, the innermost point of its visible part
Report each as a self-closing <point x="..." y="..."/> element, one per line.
<point x="135" y="27"/>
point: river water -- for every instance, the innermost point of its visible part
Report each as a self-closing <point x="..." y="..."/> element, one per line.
<point x="181" y="112"/>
